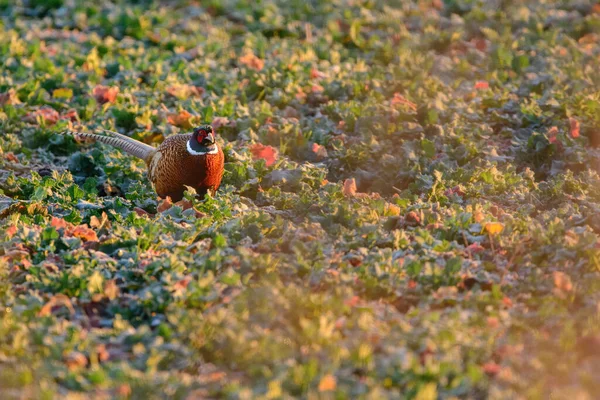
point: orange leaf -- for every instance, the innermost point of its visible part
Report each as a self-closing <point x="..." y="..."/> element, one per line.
<point x="327" y="383"/>
<point x="491" y="368"/>
<point x="562" y="281"/>
<point x="70" y="115"/>
<point x="349" y="188"/>
<point x="481" y="85"/>
<point x="164" y="205"/>
<point x="507" y="302"/>
<point x="319" y="151"/>
<point x="58" y="223"/>
<point x="494" y="228"/>
<point x="84" y="233"/>
<point x="9" y="97"/>
<point x="56" y="300"/>
<point x="48" y="114"/>
<point x="183" y="91"/>
<point x="184" y="204"/>
<point x="267" y="153"/>
<point x="316" y="74"/>
<point x="180" y="119"/>
<point x="10" y="156"/>
<point x="316" y="88"/>
<point x="251" y="61"/>
<point x="399" y="99"/>
<point x="574" y="128"/>
<point x="11" y="231"/>
<point x="552" y="133"/>
<point x="105" y="94"/>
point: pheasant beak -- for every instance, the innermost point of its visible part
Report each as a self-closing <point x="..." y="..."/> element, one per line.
<point x="208" y="140"/>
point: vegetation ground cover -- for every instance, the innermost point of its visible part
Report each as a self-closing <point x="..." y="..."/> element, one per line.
<point x="410" y="207"/>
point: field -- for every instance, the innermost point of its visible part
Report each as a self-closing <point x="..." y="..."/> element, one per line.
<point x="410" y="206"/>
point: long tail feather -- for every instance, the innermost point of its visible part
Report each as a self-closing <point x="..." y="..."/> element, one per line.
<point x="125" y="143"/>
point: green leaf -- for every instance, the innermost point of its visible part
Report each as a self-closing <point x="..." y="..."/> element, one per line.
<point x="428" y="147"/>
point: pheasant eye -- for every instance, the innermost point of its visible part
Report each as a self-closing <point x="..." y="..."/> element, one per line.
<point x="201" y="133"/>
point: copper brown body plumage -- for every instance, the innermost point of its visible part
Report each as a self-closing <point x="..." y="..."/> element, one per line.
<point x="193" y="160"/>
<point x="172" y="168"/>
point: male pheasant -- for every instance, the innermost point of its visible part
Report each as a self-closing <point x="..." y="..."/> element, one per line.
<point x="194" y="159"/>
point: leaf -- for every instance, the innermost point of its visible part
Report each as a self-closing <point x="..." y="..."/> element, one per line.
<point x="182" y="92"/>
<point x="180" y="119"/>
<point x="355" y="33"/>
<point x="552" y="134"/>
<point x="482" y="85"/>
<point x="491" y="368"/>
<point x="562" y="281"/>
<point x="83" y="232"/>
<point x="399" y="99"/>
<point x="58" y="223"/>
<point x="47" y="115"/>
<point x="96" y="283"/>
<point x="493" y="228"/>
<point x="574" y="128"/>
<point x="218" y="122"/>
<point x="10" y="97"/>
<point x="428" y="147"/>
<point x="261" y="152"/>
<point x="164" y="205"/>
<point x="319" y="151"/>
<point x="56" y="300"/>
<point x="105" y="94"/>
<point x="252" y="61"/>
<point x="349" y="188"/>
<point x="62" y="93"/>
<point x="327" y="383"/>
<point x="11" y="231"/>
<point x="70" y="115"/>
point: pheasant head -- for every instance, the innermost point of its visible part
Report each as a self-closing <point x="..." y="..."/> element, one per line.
<point x="202" y="141"/>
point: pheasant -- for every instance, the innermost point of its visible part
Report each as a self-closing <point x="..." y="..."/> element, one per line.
<point x="193" y="159"/>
